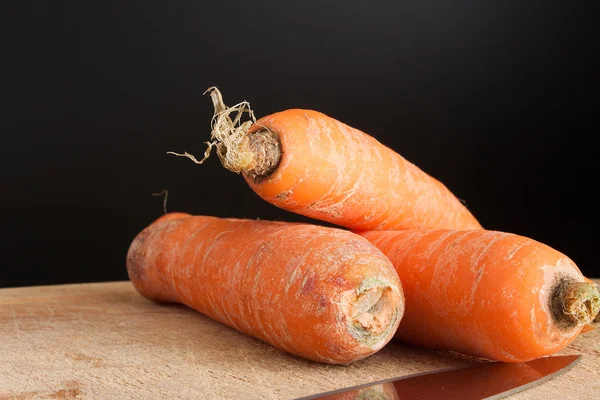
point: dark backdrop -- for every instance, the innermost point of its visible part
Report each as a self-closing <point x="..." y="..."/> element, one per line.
<point x="496" y="99"/>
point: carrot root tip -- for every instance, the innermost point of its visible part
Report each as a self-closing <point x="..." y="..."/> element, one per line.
<point x="576" y="303"/>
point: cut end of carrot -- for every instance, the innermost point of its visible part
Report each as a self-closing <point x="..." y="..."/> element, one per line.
<point x="372" y="311"/>
<point x="575" y="303"/>
<point x="374" y="314"/>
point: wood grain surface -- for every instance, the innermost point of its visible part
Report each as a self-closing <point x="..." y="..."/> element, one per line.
<point x="104" y="341"/>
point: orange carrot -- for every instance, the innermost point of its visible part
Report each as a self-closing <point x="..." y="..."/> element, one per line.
<point x="490" y="294"/>
<point x="321" y="293"/>
<point x="306" y="162"/>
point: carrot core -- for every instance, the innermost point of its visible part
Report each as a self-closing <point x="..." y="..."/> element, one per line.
<point x="371" y="311"/>
<point x="575" y="303"/>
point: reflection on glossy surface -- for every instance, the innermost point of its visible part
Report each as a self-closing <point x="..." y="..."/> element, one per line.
<point x="380" y="391"/>
<point x="480" y="381"/>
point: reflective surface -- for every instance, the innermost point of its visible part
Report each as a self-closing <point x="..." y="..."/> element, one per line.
<point x="480" y="381"/>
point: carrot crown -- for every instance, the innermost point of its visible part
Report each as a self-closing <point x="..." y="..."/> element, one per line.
<point x="576" y="303"/>
<point x="256" y="154"/>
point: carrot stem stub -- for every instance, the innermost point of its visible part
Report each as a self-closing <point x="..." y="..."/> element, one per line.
<point x="320" y="293"/>
<point x="266" y="151"/>
<point x="596" y="322"/>
<point x="575" y="303"/>
<point x="489" y="294"/>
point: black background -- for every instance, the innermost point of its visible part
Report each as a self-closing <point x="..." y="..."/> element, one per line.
<point x="498" y="100"/>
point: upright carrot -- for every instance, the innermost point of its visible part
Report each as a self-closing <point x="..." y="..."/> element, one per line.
<point x="490" y="294"/>
<point x="320" y="293"/>
<point x="306" y="162"/>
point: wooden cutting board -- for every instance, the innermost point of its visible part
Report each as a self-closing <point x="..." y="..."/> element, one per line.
<point x="104" y="341"/>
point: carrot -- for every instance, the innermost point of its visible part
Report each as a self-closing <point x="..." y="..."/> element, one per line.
<point x="308" y="163"/>
<point x="489" y="294"/>
<point x="320" y="293"/>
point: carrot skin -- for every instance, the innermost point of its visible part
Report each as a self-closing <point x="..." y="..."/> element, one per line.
<point x="484" y="293"/>
<point x="320" y="293"/>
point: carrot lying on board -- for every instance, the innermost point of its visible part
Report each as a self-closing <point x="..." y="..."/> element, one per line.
<point x="320" y="293"/>
<point x="306" y="162"/>
<point x="490" y="294"/>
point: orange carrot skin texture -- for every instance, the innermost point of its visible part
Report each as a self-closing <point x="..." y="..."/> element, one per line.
<point x="303" y="288"/>
<point x="333" y="172"/>
<point x="482" y="293"/>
